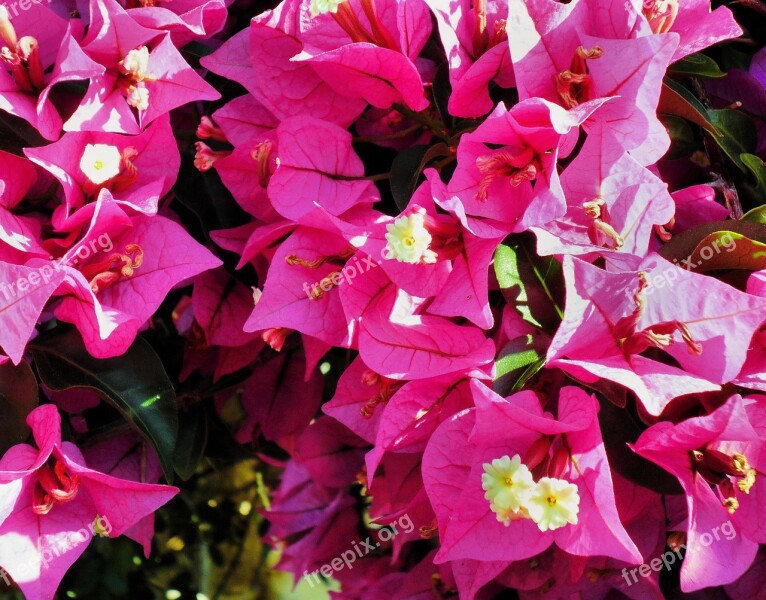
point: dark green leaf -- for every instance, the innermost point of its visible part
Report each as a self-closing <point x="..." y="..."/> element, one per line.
<point x="405" y="172"/>
<point x="738" y="133"/>
<point x="620" y="428"/>
<point x="676" y="100"/>
<point x="442" y="90"/>
<point x="192" y="440"/>
<point x="18" y="397"/>
<point x="529" y="283"/>
<point x="758" y="169"/>
<point x="135" y="384"/>
<point x="696" y="65"/>
<point x="683" y="141"/>
<point x="518" y="361"/>
<point x="407" y="168"/>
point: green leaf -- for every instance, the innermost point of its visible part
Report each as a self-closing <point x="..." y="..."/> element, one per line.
<point x="518" y="361"/>
<point x="758" y="169"/>
<point x="696" y="65"/>
<point x="737" y="133"/>
<point x="405" y="172"/>
<point x="192" y="440"/>
<point x="407" y="168"/>
<point x="619" y="427"/>
<point x="683" y="140"/>
<point x="756" y="215"/>
<point x="528" y="282"/>
<point x="676" y="100"/>
<point x="135" y="384"/>
<point x="18" y="397"/>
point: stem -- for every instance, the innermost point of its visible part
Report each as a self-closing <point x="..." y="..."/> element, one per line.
<point x="389" y="136"/>
<point x="756" y="5"/>
<point x="378" y="177"/>
<point x="423" y="117"/>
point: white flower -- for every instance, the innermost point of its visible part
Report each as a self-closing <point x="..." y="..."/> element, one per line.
<point x="100" y="162"/>
<point x="553" y="503"/>
<point x="408" y="240"/>
<point x="508" y="484"/>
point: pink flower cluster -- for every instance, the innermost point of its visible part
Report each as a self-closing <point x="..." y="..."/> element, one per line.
<point x="550" y="128"/>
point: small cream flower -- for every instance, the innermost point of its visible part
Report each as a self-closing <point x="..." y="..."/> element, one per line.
<point x="553" y="503"/>
<point x="321" y="7"/>
<point x="136" y="63"/>
<point x="100" y="162"/>
<point x="138" y="97"/>
<point x="508" y="484"/>
<point x="408" y="240"/>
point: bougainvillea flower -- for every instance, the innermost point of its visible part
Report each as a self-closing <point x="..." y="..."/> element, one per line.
<point x="127" y="456"/>
<point x="119" y="273"/>
<point x="474" y="38"/>
<point x="421" y="247"/>
<point x="412" y="413"/>
<point x="507" y="167"/>
<point x="613" y="205"/>
<point x="397" y="341"/>
<point x="136" y="74"/>
<point x="612" y="318"/>
<point x="719" y="460"/>
<point x="577" y="52"/>
<point x="298" y="293"/>
<point x="259" y="58"/>
<point x="186" y="20"/>
<point x="697" y="26"/>
<point x="317" y="165"/>
<point x="243" y="119"/>
<point x="137" y="170"/>
<point x="277" y="401"/>
<point x="357" y="399"/>
<point x="30" y="43"/>
<point x="54" y="505"/>
<point x="24" y="292"/>
<point x="19" y="234"/>
<point x="556" y="453"/>
<point x="362" y="50"/>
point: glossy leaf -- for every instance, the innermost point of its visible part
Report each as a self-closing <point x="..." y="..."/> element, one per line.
<point x="135" y="384"/>
<point x="676" y="100"/>
<point x="696" y="65"/>
<point x="517" y="362"/>
<point x="192" y="440"/>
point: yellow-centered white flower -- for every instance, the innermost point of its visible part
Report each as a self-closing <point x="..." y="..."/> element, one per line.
<point x="553" y="503"/>
<point x="508" y="484"/>
<point x="408" y="240"/>
<point x="100" y="162"/>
